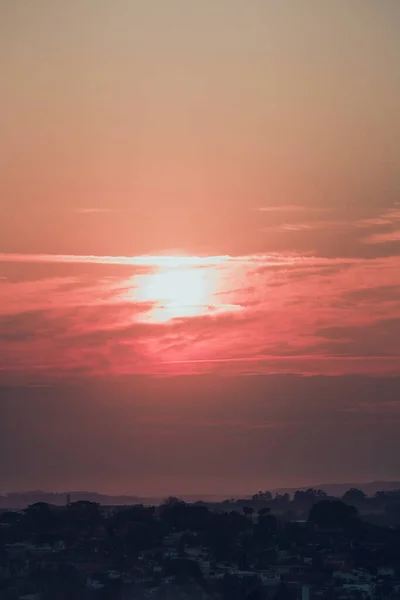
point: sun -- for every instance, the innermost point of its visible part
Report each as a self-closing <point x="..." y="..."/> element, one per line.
<point x="175" y="292"/>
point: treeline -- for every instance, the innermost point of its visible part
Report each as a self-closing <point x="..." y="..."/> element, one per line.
<point x="130" y="530"/>
<point x="302" y="500"/>
<point x="291" y="507"/>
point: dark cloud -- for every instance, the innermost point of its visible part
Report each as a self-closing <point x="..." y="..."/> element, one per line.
<point x="26" y="326"/>
<point x="384" y="293"/>
<point x="380" y="338"/>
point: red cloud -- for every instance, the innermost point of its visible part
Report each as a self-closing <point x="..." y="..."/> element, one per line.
<point x="265" y="314"/>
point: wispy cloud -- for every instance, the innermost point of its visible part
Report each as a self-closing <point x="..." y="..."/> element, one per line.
<point x="383" y="238"/>
<point x="292" y="208"/>
<point x="147" y="260"/>
<point x="174" y="261"/>
<point x="388" y="217"/>
<point x="95" y="210"/>
<point x="387" y="225"/>
<point x="300" y="228"/>
<point x="306" y="226"/>
<point x="83" y="209"/>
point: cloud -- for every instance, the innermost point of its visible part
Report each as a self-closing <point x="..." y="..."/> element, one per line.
<point x="387" y="226"/>
<point x="292" y="208"/>
<point x="25" y="326"/>
<point x="339" y="233"/>
<point x="309" y="226"/>
<point x="264" y="313"/>
<point x="147" y="260"/>
<point x="379" y="337"/>
<point x="384" y="293"/>
<point x="389" y="217"/>
<point x="95" y="210"/>
<point x="84" y="209"/>
<point x="383" y="238"/>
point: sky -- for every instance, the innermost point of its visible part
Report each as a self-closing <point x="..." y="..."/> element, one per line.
<point x="199" y="244"/>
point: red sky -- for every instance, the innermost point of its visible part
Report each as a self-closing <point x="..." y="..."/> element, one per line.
<point x="199" y="244"/>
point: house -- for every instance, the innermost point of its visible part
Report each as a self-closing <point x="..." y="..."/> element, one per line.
<point x="336" y="561"/>
<point x="282" y="555"/>
<point x="84" y="563"/>
<point x="15" y="567"/>
<point x="216" y="573"/>
<point x="205" y="567"/>
<point x="94" y="584"/>
<point x="367" y="589"/>
<point x="171" y="553"/>
<point x="270" y="579"/>
<point x="172" y="539"/>
<point x="386" y="572"/>
<point x="354" y="575"/>
<point x="288" y="569"/>
<point x="345" y="576"/>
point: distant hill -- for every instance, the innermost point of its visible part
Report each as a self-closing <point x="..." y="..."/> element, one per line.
<point x="20" y="500"/>
<point x="338" y="489"/>
<point x="17" y="500"/>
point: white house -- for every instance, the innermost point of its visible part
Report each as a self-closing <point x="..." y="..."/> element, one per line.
<point x="387" y="572"/>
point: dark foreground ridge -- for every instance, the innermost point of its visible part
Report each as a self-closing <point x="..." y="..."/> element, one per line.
<point x="269" y="546"/>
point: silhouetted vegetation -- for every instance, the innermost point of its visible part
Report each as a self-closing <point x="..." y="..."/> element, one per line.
<point x="244" y="549"/>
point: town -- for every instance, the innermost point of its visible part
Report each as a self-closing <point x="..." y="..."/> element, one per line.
<point x="307" y="546"/>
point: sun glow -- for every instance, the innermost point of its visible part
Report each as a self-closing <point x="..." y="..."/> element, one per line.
<point x="176" y="292"/>
<point x="181" y="287"/>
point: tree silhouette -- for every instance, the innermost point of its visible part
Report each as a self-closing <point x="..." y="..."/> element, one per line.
<point x="333" y="513"/>
<point x="42" y="517"/>
<point x="354" y="496"/>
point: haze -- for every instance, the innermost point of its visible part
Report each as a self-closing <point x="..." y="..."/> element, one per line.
<point x="200" y="244"/>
